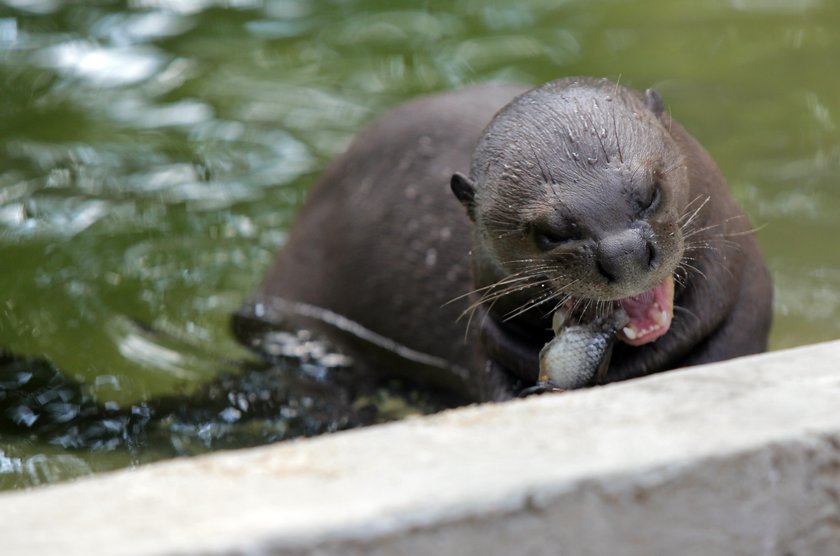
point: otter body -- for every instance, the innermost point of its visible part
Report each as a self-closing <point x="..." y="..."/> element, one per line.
<point x="579" y="193"/>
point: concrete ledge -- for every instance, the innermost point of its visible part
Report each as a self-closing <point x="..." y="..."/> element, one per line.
<point x="735" y="458"/>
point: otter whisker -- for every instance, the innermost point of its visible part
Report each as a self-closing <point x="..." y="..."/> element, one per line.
<point x="684" y="226"/>
<point x="751" y="231"/>
<point x="562" y="301"/>
<point x="525" y="274"/>
<point x="471" y="312"/>
<point x="505" y="281"/>
<point x="712" y="261"/>
<point x="493" y="296"/>
<point x="694" y="232"/>
<point x="710" y="244"/>
<point x="574" y="308"/>
<point x="615" y="134"/>
<point x="688" y="211"/>
<point x="668" y="169"/>
<point x="715" y="225"/>
<point x="533" y="303"/>
<point x="504" y="227"/>
<point x="532" y="260"/>
<point x="587" y="303"/>
<point x="694" y="269"/>
<point x="691" y="202"/>
<point x="512" y="289"/>
<point x="502" y="234"/>
<point x="491" y="300"/>
<point x="604" y="308"/>
<point x="680" y="278"/>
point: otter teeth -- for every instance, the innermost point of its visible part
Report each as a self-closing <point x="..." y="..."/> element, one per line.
<point x="629" y="332"/>
<point x="659" y="316"/>
<point x="660" y="319"/>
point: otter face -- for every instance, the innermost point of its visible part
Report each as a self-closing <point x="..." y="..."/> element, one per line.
<point x="582" y="196"/>
<point x="613" y="237"/>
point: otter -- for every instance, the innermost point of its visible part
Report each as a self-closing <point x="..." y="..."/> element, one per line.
<point x="580" y="193"/>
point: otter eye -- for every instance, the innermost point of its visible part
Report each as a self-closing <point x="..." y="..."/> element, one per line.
<point x="547" y="239"/>
<point x="649" y="205"/>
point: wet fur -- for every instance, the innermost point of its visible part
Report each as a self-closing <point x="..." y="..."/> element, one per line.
<point x="382" y="240"/>
<point x="578" y="156"/>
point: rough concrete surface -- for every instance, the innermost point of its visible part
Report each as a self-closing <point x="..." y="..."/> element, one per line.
<point x="738" y="458"/>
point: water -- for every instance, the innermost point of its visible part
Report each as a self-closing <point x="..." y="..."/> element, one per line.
<point x="153" y="152"/>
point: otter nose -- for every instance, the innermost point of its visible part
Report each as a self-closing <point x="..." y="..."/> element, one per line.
<point x="625" y="256"/>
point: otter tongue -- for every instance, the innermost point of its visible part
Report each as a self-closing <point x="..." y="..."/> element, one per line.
<point x="650" y="314"/>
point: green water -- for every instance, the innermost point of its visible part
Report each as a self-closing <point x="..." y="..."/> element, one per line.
<point x="152" y="153"/>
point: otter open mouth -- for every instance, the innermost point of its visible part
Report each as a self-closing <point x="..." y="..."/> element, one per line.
<point x="650" y="314"/>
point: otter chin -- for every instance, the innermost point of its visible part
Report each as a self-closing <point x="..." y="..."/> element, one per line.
<point x="578" y="194"/>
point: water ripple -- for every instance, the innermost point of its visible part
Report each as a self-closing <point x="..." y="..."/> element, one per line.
<point x="8" y="30"/>
<point x="129" y="29"/>
<point x="154" y="152"/>
<point x="51" y="217"/>
<point x="196" y="6"/>
<point x="138" y="346"/>
<point x="273" y="29"/>
<point x="103" y="66"/>
<point x="35" y="6"/>
<point x="142" y="114"/>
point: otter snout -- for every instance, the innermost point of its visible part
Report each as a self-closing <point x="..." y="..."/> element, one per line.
<point x="625" y="257"/>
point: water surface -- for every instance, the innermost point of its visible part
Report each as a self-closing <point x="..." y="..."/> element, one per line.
<point x="153" y="152"/>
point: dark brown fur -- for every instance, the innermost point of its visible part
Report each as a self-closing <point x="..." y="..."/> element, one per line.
<point x="382" y="250"/>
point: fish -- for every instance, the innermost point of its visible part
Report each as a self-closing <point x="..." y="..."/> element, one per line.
<point x="579" y="353"/>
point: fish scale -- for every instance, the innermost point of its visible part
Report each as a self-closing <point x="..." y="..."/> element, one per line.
<point x="573" y="358"/>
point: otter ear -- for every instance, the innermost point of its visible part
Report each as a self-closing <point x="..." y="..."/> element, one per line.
<point x="464" y="189"/>
<point x="654" y="102"/>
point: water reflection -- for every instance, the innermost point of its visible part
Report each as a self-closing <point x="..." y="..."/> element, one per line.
<point x="8" y="31"/>
<point x="272" y="29"/>
<point x="51" y="217"/>
<point x="140" y="346"/>
<point x="35" y="6"/>
<point x="129" y="29"/>
<point x="195" y="6"/>
<point x="140" y="113"/>
<point x="103" y="66"/>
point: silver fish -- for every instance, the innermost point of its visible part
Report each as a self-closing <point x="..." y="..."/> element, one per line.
<point x="578" y="353"/>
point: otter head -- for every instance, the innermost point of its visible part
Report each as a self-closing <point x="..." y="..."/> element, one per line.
<point x="575" y="193"/>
